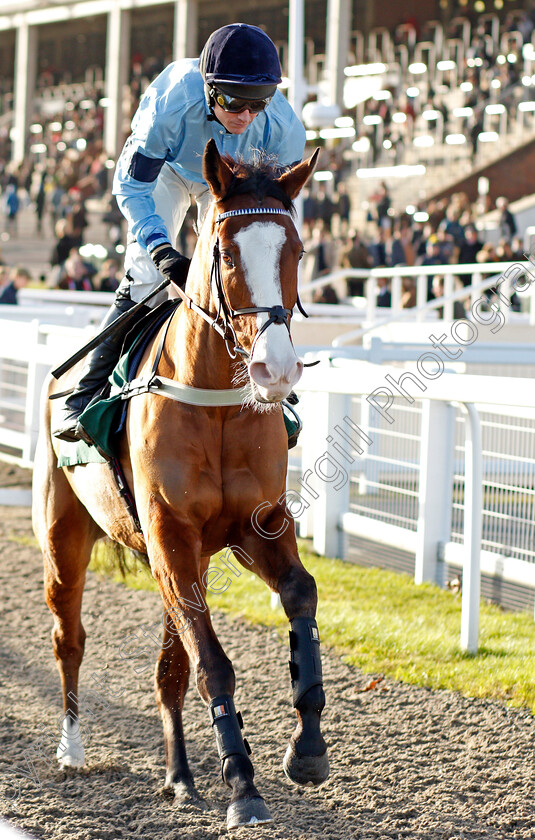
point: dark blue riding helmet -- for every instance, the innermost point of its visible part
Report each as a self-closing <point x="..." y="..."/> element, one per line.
<point x="241" y="60"/>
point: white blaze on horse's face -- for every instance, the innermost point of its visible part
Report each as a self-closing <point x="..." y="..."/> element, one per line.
<point x="274" y="367"/>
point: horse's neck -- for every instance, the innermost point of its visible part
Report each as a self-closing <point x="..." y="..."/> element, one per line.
<point x="197" y="353"/>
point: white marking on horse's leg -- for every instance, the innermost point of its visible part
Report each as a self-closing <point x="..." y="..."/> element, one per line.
<point x="70" y="752"/>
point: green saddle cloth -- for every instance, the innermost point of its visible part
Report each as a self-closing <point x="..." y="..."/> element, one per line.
<point x="103" y="418"/>
<point x="101" y="421"/>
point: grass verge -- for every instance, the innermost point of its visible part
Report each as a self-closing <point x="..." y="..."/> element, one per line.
<point x="383" y="623"/>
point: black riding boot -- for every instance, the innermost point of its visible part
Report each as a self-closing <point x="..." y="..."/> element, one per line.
<point x="99" y="365"/>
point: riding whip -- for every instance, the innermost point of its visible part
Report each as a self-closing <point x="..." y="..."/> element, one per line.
<point x="109" y="330"/>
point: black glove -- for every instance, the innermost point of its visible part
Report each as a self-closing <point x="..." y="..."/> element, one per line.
<point x="171" y="264"/>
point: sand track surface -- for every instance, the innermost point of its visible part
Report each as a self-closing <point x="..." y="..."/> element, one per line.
<point x="406" y="762"/>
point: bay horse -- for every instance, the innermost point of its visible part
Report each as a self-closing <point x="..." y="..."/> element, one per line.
<point x="203" y="477"/>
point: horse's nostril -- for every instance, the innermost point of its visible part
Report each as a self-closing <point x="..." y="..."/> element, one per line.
<point x="261" y="374"/>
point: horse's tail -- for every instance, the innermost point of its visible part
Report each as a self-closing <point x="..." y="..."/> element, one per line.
<point x="109" y="556"/>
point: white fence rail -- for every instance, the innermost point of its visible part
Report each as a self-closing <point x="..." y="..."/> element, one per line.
<point x="436" y="463"/>
<point x="386" y="457"/>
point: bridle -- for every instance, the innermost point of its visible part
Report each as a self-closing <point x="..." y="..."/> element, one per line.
<point x="222" y="323"/>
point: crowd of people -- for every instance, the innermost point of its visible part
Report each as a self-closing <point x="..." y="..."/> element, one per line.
<point x="68" y="164"/>
<point x="437" y="233"/>
<point x="490" y="69"/>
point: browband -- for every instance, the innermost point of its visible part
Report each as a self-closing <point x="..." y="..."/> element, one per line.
<point x="250" y="211"/>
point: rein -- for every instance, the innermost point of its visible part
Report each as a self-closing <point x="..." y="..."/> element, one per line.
<point x="222" y="323"/>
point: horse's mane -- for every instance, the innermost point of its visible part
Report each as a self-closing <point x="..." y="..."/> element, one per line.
<point x="258" y="178"/>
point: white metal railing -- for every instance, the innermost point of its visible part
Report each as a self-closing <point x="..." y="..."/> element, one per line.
<point x="28" y="350"/>
<point x="395" y="476"/>
<point x="484" y="276"/>
<point x="380" y="454"/>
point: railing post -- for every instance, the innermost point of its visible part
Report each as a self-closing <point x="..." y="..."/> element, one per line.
<point x="473" y="502"/>
<point x="305" y="518"/>
<point x="396" y="293"/>
<point x="421" y="294"/>
<point x="326" y="472"/>
<point x="371" y="298"/>
<point x="368" y="465"/>
<point x="449" y="288"/>
<point x="435" y="487"/>
<point x="37" y="373"/>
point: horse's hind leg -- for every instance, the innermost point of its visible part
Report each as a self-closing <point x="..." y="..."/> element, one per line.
<point x="66" y="535"/>
<point x="172" y="677"/>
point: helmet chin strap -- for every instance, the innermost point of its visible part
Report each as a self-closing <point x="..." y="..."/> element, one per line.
<point x="210" y="102"/>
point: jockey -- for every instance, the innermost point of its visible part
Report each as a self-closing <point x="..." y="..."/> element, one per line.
<point x="229" y="95"/>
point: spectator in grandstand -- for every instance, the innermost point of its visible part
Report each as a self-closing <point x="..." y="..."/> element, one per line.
<point x="64" y="243"/>
<point x="459" y="308"/>
<point x="446" y="246"/>
<point x="394" y="249"/>
<point x="309" y="211"/>
<point x="517" y="249"/>
<point x="76" y="217"/>
<point x="355" y="254"/>
<point x="432" y="257"/>
<point x="487" y="253"/>
<point x="377" y="248"/>
<point x="229" y="96"/>
<point x="54" y="202"/>
<point x="469" y="250"/>
<point x="326" y="294"/>
<point x="384" y="295"/>
<point x="382" y="202"/>
<point x="325" y="208"/>
<point x="109" y="276"/>
<point x="320" y="253"/>
<point x="451" y="225"/>
<point x="76" y="274"/>
<point x="474" y="130"/>
<point x="11" y="209"/>
<point x="39" y="203"/>
<point x="20" y="277"/>
<point x="343" y="207"/>
<point x="506" y="221"/>
<point x="408" y="292"/>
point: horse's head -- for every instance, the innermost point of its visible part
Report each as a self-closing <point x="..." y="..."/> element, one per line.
<point x="256" y="253"/>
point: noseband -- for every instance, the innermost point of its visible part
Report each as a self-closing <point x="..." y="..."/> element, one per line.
<point x="222" y="323"/>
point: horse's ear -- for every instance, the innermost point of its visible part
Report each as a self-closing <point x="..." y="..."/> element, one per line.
<point x="294" y="180"/>
<point x="217" y="173"/>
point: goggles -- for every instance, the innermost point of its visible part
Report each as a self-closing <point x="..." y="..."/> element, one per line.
<point x="235" y="105"/>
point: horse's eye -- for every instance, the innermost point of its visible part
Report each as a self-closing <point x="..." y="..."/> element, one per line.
<point x="227" y="259"/>
<point x="302" y="254"/>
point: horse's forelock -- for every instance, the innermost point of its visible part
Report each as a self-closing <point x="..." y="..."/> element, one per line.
<point x="258" y="179"/>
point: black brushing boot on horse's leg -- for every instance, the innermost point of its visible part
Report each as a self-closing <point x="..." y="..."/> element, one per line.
<point x="246" y="807"/>
<point x="306" y="760"/>
<point x="99" y="365"/>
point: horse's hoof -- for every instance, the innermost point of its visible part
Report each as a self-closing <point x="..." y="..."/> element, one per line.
<point x="187" y="794"/>
<point x="70" y="752"/>
<point x="248" y="812"/>
<point x="70" y="759"/>
<point x="306" y="769"/>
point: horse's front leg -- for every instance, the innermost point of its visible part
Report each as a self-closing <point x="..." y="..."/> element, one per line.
<point x="306" y="760"/>
<point x="276" y="561"/>
<point x="180" y="575"/>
